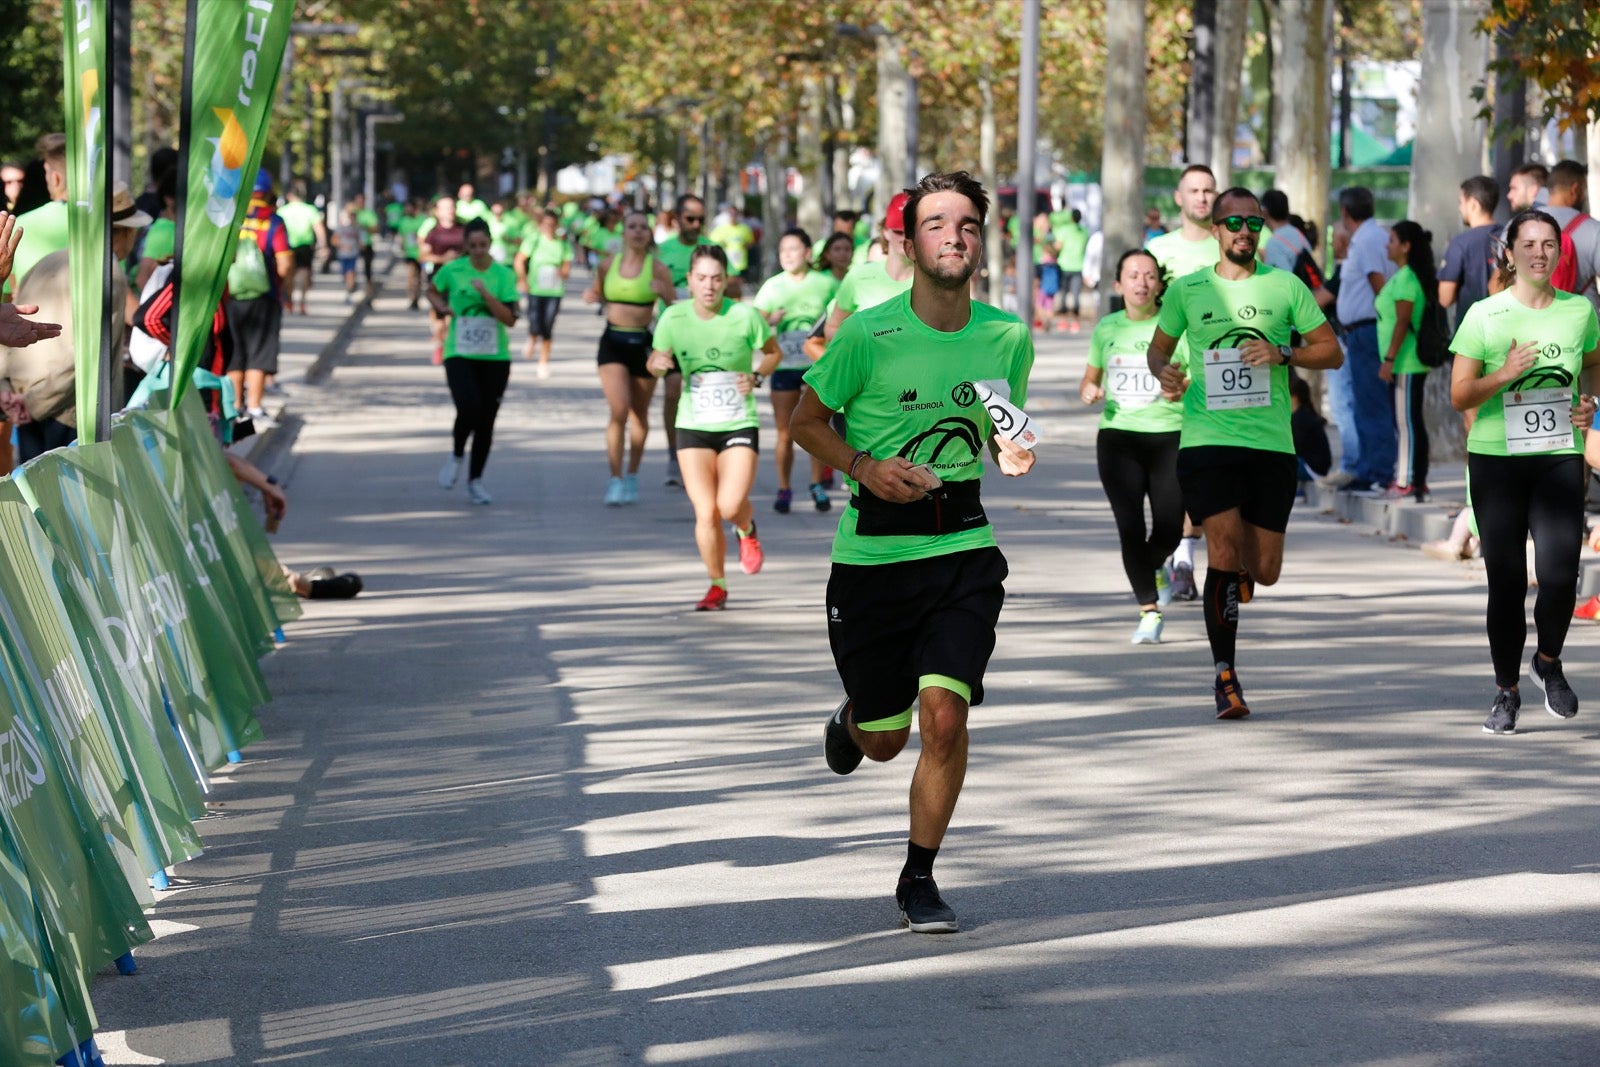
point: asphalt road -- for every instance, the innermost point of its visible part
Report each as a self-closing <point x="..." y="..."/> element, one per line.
<point x="519" y="804"/>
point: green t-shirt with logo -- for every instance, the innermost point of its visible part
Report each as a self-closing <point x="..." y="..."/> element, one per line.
<point x="804" y="300"/>
<point x="1217" y="314"/>
<point x="1073" y="240"/>
<point x="906" y="390"/>
<point x="1402" y="285"/>
<point x="1179" y="257"/>
<point x="300" y="222"/>
<point x="545" y="256"/>
<point x="160" y="240"/>
<point x="726" y="342"/>
<point x="735" y="238"/>
<point x="1133" y="398"/>
<point x="367" y="219"/>
<point x="391" y="214"/>
<point x="409" y="227"/>
<point x="454" y="282"/>
<point x="868" y="286"/>
<point x="1565" y="331"/>
<point x="675" y="254"/>
<point x="44" y="230"/>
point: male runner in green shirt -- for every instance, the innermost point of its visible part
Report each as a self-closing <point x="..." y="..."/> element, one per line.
<point x="1236" y="459"/>
<point x="917" y="578"/>
<point x="676" y="253"/>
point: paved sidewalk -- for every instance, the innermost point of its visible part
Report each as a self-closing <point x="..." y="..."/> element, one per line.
<point x="518" y="804"/>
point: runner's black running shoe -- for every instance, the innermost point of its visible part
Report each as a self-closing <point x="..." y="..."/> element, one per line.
<point x="1503" y="716"/>
<point x="922" y="909"/>
<point x="839" y="748"/>
<point x="1230" y="696"/>
<point x="1183" y="587"/>
<point x="1559" y="699"/>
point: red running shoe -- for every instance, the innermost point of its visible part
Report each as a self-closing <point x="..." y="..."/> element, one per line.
<point x="750" y="555"/>
<point x="438" y="355"/>
<point x="1589" y="609"/>
<point x="716" y="599"/>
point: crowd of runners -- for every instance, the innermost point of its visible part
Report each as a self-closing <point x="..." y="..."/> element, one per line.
<point x="880" y="366"/>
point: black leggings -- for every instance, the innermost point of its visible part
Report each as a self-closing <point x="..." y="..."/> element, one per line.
<point x="1513" y="496"/>
<point x="476" y="385"/>
<point x="1134" y="466"/>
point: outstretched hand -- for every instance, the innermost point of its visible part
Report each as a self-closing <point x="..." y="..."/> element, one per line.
<point x="10" y="237"/>
<point x="18" y="332"/>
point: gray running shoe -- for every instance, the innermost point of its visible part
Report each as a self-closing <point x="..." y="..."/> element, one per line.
<point x="838" y="747"/>
<point x="1559" y="699"/>
<point x="1183" y="582"/>
<point x="1503" y="716"/>
<point x="922" y="909"/>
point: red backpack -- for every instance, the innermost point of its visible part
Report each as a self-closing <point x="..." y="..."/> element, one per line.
<point x="1565" y="276"/>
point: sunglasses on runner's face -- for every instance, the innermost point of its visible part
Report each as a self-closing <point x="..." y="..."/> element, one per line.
<point x="694" y="218"/>
<point x="1235" y="223"/>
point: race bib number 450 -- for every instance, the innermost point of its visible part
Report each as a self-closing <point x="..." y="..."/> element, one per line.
<point x="1538" y="420"/>
<point x="715" y="397"/>
<point x="1230" y="384"/>
<point x="477" y="335"/>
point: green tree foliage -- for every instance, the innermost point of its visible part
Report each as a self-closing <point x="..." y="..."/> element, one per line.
<point x="1555" y="44"/>
<point x="30" y="75"/>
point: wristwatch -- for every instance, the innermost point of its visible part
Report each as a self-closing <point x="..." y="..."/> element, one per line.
<point x="1287" y="353"/>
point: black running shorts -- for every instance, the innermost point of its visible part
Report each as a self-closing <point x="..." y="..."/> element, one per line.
<point x="1218" y="478"/>
<point x="720" y="441"/>
<point x="892" y="624"/>
<point x="256" y="325"/>
<point x="631" y="348"/>
<point x="303" y="255"/>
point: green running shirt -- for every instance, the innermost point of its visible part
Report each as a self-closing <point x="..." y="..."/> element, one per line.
<point x="1216" y="314"/>
<point x="1402" y="285"/>
<point x="1133" y="394"/>
<point x="905" y="390"/>
<point x="675" y="254"/>
<point x="1179" y="257"/>
<point x="1565" y="331"/>
<point x="804" y="300"/>
<point x="467" y="309"/>
<point x="545" y="257"/>
<point x="727" y="343"/>
<point x="300" y="221"/>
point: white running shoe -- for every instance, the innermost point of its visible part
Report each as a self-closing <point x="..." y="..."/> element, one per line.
<point x="450" y="473"/>
<point x="1149" y="631"/>
<point x="1163" y="585"/>
<point x="630" y="488"/>
<point x="477" y="493"/>
<point x="614" y="493"/>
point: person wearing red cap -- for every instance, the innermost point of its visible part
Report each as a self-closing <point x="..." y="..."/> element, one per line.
<point x="871" y="283"/>
<point x="918" y="579"/>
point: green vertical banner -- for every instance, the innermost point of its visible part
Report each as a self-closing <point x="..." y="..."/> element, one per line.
<point x="34" y="1031"/>
<point x="86" y="97"/>
<point x="233" y="53"/>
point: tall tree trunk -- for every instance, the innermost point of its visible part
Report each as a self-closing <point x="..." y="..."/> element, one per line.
<point x="1305" y="90"/>
<point x="1508" y="137"/>
<point x="1233" y="23"/>
<point x="1449" y="142"/>
<point x="774" y="206"/>
<point x="994" y="238"/>
<point x="810" y="161"/>
<point x="1201" y="114"/>
<point x="893" y="99"/>
<point x="1122" y="151"/>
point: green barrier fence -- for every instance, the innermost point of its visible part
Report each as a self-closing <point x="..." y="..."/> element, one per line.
<point x="138" y="596"/>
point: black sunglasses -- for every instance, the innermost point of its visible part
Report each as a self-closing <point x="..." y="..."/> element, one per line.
<point x="694" y="218"/>
<point x="1235" y="223"/>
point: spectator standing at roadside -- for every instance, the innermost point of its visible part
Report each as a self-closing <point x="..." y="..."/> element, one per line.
<point x="1469" y="260"/>
<point x="44" y="229"/>
<point x="1526" y="189"/>
<point x="1288" y="244"/>
<point x="11" y="174"/>
<point x="1071" y="239"/>
<point x="1365" y="269"/>
<point x="1568" y="191"/>
<point x="1401" y="305"/>
<point x="257" y="291"/>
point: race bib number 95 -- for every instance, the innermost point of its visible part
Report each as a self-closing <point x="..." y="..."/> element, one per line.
<point x="1230" y="384"/>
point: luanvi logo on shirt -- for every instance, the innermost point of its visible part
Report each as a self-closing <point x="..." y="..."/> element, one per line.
<point x="885" y="333"/>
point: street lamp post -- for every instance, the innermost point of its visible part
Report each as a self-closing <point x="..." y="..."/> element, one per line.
<point x="1027" y="133"/>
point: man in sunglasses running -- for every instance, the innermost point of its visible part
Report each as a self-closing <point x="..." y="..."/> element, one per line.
<point x="1236" y="460"/>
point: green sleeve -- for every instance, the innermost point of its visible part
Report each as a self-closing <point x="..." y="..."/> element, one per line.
<point x="1097" y="344"/>
<point x="841" y="374"/>
<point x="760" y="330"/>
<point x="1304" y="314"/>
<point x="766" y="299"/>
<point x="1468" y="341"/>
<point x="845" y="298"/>
<point x="566" y="252"/>
<point x="661" y="340"/>
<point x="1174" y="319"/>
<point x="505" y="289"/>
<point x="1021" y="367"/>
<point x="443" y="277"/>
<point x="1591" y="333"/>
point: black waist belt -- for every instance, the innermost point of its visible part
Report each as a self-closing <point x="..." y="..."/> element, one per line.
<point x="950" y="508"/>
<point x="1356" y="325"/>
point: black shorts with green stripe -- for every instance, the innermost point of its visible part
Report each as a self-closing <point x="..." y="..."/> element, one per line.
<point x="896" y="627"/>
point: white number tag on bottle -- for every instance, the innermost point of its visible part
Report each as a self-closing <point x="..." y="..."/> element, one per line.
<point x="549" y="278"/>
<point x="715" y="397"/>
<point x="1230" y="384"/>
<point x="1009" y="420"/>
<point x="477" y="335"/>
<point x="1130" y="383"/>
<point x="792" y="344"/>
<point x="1538" y="420"/>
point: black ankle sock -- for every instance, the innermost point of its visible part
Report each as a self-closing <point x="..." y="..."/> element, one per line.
<point x="919" y="861"/>
<point x="1222" y="613"/>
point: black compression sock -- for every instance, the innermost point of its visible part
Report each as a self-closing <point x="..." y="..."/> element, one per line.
<point x="1222" y="613"/>
<point x="919" y="861"/>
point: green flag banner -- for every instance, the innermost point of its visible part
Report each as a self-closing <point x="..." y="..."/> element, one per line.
<point x="34" y="1031"/>
<point x="232" y="58"/>
<point x="90" y="914"/>
<point x="87" y="99"/>
<point x="173" y="775"/>
<point x="121" y="769"/>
